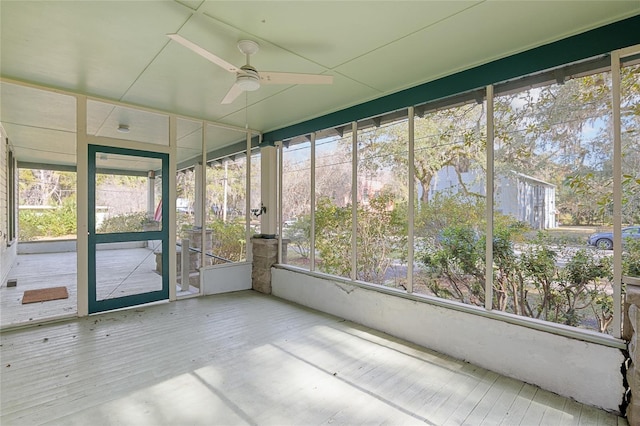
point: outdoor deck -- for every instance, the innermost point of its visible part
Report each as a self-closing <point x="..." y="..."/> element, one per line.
<point x="247" y="358"/>
<point x="119" y="272"/>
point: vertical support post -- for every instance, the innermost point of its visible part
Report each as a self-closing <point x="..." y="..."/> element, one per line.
<point x="204" y="241"/>
<point x="411" y="207"/>
<point x="312" y="230"/>
<point x="354" y="200"/>
<point x="198" y="195"/>
<point x="268" y="189"/>
<point x="247" y="218"/>
<point x="185" y="263"/>
<point x="617" y="194"/>
<point x="279" y="192"/>
<point x="171" y="205"/>
<point x="488" y="286"/>
<point x="225" y="193"/>
<point x="151" y="200"/>
<point x="82" y="209"/>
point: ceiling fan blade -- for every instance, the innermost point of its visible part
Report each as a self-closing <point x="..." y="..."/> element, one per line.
<point x="204" y="53"/>
<point x="232" y="94"/>
<point x="268" y="77"/>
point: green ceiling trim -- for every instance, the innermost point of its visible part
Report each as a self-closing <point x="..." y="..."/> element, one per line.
<point x="599" y="41"/>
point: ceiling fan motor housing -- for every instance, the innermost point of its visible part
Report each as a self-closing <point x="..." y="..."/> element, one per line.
<point x="249" y="79"/>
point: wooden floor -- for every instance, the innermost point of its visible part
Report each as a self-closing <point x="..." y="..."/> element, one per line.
<point x="118" y="273"/>
<point x="247" y="358"/>
<point x="36" y="271"/>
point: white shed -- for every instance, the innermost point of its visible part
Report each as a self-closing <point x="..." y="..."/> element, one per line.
<point x="524" y="197"/>
<point x="528" y="199"/>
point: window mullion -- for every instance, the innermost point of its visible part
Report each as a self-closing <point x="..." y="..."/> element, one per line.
<point x="354" y="199"/>
<point x="617" y="194"/>
<point x="488" y="291"/>
<point x="411" y="205"/>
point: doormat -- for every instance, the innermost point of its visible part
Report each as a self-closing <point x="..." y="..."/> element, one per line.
<point x="44" y="294"/>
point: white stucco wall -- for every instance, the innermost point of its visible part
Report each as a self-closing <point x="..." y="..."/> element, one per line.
<point x="587" y="372"/>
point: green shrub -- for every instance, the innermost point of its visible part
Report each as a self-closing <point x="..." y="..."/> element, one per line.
<point x="444" y="211"/>
<point x="631" y="258"/>
<point x="48" y="223"/>
<point x="31" y="225"/>
<point x="531" y="283"/>
<point x="381" y="237"/>
<point x="129" y="222"/>
<point x="228" y="239"/>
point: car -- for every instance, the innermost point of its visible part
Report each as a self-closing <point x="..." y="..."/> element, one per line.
<point x="290" y="222"/>
<point x="604" y="240"/>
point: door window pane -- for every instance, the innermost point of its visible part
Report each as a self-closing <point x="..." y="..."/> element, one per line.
<point x="126" y="269"/>
<point x="125" y="194"/>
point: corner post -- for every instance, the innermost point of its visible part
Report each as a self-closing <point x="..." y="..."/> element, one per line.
<point x="268" y="190"/>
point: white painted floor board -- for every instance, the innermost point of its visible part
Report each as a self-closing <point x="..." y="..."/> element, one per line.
<point x="36" y="271"/>
<point x="246" y="358"/>
<point x="119" y="273"/>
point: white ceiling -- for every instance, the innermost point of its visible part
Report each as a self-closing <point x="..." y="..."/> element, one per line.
<point x="118" y="50"/>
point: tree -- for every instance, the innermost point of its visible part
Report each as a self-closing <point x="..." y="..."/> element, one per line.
<point x="226" y="184"/>
<point x="45" y="187"/>
<point x="299" y="236"/>
<point x="452" y="137"/>
<point x="296" y="192"/>
<point x="560" y="133"/>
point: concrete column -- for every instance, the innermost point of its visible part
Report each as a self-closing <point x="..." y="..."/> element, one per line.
<point x="265" y="255"/>
<point x="195" y="238"/>
<point x="631" y="330"/>
<point x="268" y="190"/>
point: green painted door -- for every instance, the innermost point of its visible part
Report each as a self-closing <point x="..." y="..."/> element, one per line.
<point x="128" y="234"/>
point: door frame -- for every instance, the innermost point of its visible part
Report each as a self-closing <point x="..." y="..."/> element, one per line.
<point x="94" y="239"/>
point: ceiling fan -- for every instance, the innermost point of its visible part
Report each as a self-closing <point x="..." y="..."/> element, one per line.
<point x="247" y="77"/>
